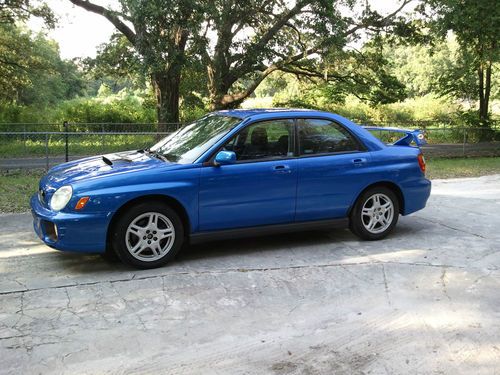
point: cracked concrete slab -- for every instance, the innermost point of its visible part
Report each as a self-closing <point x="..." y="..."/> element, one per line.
<point x="425" y="300"/>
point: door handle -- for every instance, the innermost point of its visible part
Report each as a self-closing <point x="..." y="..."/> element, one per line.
<point x="281" y="169"/>
<point x="359" y="161"/>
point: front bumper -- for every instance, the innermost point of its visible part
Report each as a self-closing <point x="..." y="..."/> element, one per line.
<point x="80" y="232"/>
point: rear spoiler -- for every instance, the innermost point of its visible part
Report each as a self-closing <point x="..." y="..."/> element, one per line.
<point x="410" y="136"/>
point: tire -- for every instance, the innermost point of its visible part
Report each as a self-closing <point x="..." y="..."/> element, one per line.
<point x="147" y="235"/>
<point x="381" y="217"/>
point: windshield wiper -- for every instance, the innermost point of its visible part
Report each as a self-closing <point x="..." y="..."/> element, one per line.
<point x="156" y="154"/>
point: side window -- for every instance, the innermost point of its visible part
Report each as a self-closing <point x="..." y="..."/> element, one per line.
<point x="318" y="137"/>
<point x="263" y="140"/>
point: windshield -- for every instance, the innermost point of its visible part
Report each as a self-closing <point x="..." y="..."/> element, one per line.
<point x="191" y="141"/>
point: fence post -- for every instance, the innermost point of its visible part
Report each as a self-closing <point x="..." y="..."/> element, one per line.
<point x="24" y="139"/>
<point x="66" y="156"/>
<point x="102" y="139"/>
<point x="463" y="144"/>
<point x="47" y="150"/>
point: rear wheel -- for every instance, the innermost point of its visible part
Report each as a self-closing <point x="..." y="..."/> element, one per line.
<point x="375" y="213"/>
<point x="148" y="235"/>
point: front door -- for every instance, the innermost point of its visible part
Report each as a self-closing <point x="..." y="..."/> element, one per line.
<point x="259" y="188"/>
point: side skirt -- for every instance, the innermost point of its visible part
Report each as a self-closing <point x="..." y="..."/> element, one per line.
<point x="267" y="229"/>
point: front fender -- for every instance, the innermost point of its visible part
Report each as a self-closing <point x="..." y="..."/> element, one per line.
<point x="181" y="185"/>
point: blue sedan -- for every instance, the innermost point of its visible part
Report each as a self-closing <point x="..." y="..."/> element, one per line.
<point x="232" y="174"/>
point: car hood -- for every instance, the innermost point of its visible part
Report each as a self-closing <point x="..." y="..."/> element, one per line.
<point x="100" y="166"/>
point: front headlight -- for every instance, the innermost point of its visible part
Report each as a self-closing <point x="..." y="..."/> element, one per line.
<point x="61" y="198"/>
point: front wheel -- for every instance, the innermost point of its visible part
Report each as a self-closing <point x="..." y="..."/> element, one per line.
<point x="375" y="213"/>
<point x="148" y="235"/>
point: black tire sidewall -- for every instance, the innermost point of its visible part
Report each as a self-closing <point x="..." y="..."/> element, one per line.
<point x="119" y="230"/>
<point x="356" y="224"/>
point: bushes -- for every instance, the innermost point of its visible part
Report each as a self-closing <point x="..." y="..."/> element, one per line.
<point x="124" y="107"/>
<point x="425" y="108"/>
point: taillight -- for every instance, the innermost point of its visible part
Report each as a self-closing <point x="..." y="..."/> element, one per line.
<point x="421" y="162"/>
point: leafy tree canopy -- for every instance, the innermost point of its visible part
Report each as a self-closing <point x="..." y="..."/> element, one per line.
<point x="31" y="70"/>
<point x="476" y="25"/>
<point x="12" y="11"/>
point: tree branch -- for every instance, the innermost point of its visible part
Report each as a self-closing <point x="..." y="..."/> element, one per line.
<point x="14" y="64"/>
<point x="253" y="48"/>
<point x="109" y="15"/>
<point x="382" y="21"/>
<point x="237" y="98"/>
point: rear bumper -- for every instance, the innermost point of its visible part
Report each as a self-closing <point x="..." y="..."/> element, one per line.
<point x="415" y="194"/>
<point x="80" y="232"/>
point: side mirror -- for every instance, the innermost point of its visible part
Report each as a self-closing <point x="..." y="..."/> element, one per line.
<point x="225" y="157"/>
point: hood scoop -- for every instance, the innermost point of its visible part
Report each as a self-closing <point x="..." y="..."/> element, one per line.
<point x="109" y="161"/>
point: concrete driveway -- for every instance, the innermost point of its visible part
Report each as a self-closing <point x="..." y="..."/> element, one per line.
<point x="425" y="300"/>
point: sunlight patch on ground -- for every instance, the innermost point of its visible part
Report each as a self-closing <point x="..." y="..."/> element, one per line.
<point x="32" y="250"/>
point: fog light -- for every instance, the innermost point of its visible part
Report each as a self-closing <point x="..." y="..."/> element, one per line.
<point x="81" y="203"/>
<point x="49" y="230"/>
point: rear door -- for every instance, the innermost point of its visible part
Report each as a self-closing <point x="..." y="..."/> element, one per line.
<point x="260" y="188"/>
<point x="333" y="168"/>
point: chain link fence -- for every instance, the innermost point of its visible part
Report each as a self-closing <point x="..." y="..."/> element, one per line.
<point x="42" y="145"/>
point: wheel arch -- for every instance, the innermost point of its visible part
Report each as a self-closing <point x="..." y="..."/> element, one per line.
<point x="388" y="184"/>
<point x="165" y="199"/>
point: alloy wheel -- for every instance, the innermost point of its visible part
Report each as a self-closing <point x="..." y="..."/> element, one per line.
<point x="150" y="236"/>
<point x="377" y="213"/>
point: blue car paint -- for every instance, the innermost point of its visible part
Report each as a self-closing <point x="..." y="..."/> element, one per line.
<point x="247" y="194"/>
<point x="229" y="196"/>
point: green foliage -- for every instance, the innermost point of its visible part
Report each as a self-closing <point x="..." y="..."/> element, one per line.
<point x="366" y="73"/>
<point x="124" y="107"/>
<point x="476" y="25"/>
<point x="420" y="67"/>
<point x="296" y="54"/>
<point x="12" y="11"/>
<point x="117" y="59"/>
<point x="297" y="93"/>
<point x="308" y="38"/>
<point x="31" y="70"/>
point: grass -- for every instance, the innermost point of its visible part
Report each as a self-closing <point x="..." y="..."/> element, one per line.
<point x="16" y="187"/>
<point x="462" y="167"/>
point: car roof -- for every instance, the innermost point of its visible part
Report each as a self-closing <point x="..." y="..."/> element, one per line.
<point x="245" y="113"/>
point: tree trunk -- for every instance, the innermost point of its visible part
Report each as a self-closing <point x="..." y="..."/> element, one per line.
<point x="484" y="98"/>
<point x="166" y="86"/>
<point x="487" y="91"/>
<point x="483" y="110"/>
<point x="218" y="86"/>
<point x="214" y="96"/>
